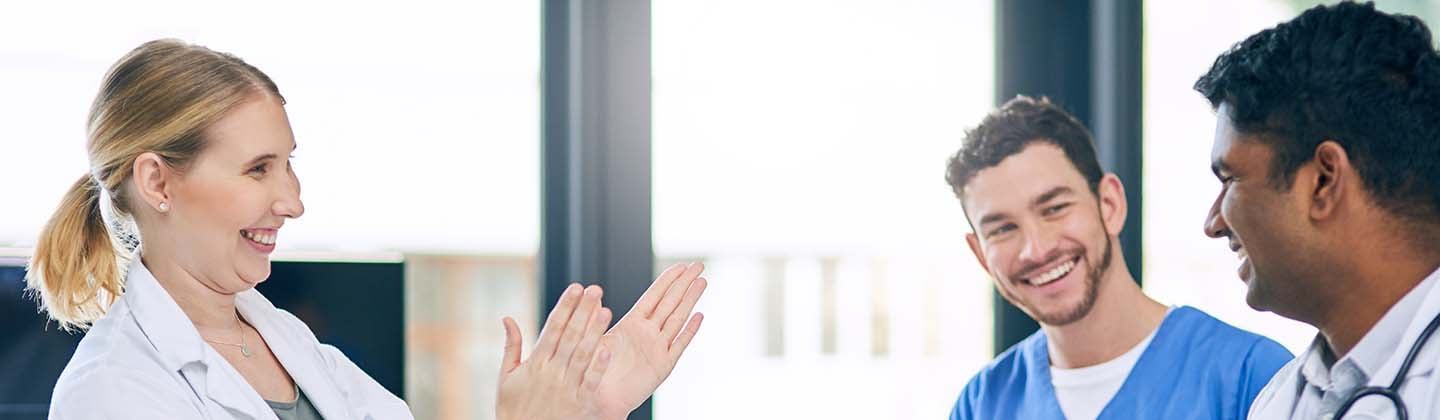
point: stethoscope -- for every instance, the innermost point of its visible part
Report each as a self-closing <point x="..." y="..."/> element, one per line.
<point x="1392" y="392"/>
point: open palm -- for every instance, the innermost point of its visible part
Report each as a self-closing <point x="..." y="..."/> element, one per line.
<point x="648" y="340"/>
<point x="560" y="380"/>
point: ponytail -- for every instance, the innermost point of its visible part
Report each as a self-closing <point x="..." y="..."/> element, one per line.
<point x="76" y="268"/>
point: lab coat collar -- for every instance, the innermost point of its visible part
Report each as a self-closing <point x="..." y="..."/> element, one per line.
<point x="182" y="349"/>
<point x="1427" y="311"/>
<point x="1282" y="394"/>
<point x="225" y="386"/>
<point x="166" y="326"/>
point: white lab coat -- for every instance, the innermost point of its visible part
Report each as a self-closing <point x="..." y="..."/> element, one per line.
<point x="1420" y="391"/>
<point x="145" y="360"/>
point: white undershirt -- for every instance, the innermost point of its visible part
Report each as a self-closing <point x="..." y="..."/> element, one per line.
<point x="1083" y="392"/>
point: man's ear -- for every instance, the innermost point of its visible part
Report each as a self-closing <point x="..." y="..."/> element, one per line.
<point x="1113" y="206"/>
<point x="1332" y="177"/>
<point x="152" y="182"/>
<point x="974" y="241"/>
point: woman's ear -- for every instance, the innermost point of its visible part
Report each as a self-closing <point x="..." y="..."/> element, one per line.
<point x="152" y="182"/>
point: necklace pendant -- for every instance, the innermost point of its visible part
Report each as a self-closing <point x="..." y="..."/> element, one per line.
<point x="245" y="350"/>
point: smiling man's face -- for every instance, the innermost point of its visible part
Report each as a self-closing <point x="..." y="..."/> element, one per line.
<point x="1038" y="232"/>
<point x="1263" y="222"/>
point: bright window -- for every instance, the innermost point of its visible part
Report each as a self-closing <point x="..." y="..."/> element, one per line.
<point x="799" y="149"/>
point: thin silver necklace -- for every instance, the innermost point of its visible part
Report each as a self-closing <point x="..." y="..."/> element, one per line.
<point x="244" y="348"/>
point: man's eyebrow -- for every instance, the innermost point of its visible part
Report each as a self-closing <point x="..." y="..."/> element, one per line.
<point x="992" y="218"/>
<point x="1050" y="195"/>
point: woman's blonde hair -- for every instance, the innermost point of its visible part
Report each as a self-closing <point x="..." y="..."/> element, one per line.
<point x="159" y="98"/>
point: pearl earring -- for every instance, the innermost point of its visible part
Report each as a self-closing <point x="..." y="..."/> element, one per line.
<point x="164" y="207"/>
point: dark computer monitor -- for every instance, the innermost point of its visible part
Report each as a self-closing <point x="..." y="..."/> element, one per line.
<point x="32" y="353"/>
<point x="358" y="307"/>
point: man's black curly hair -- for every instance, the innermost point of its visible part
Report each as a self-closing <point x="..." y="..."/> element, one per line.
<point x="1017" y="124"/>
<point x="1366" y="79"/>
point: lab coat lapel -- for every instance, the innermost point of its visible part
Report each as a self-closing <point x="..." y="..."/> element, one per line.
<point x="298" y="354"/>
<point x="1277" y="400"/>
<point x="226" y="387"/>
<point x="1424" y="365"/>
<point x="1429" y="309"/>
<point x="182" y="348"/>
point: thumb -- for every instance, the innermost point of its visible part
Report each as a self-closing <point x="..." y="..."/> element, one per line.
<point x="511" y="360"/>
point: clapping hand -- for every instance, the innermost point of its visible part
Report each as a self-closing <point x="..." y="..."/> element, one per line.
<point x="561" y="378"/>
<point x="649" y="340"/>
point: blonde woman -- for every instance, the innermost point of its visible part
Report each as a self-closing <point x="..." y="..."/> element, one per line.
<point x="157" y="249"/>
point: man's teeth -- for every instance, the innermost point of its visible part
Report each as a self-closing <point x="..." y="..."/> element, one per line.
<point x="1053" y="274"/>
<point x="261" y="238"/>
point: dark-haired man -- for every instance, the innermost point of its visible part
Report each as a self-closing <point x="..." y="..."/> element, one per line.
<point x="1046" y="221"/>
<point x="1327" y="144"/>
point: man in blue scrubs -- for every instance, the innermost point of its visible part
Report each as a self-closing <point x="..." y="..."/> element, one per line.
<point x="1045" y="220"/>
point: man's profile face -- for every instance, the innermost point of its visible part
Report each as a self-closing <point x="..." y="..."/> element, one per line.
<point x="1262" y="223"/>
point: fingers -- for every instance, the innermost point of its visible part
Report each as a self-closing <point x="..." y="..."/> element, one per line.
<point x="677" y="290"/>
<point x="596" y="371"/>
<point x="555" y="323"/>
<point x="687" y="306"/>
<point x="683" y="342"/>
<point x="586" y="351"/>
<point x="646" y="305"/>
<point x="511" y="360"/>
<point x="575" y="328"/>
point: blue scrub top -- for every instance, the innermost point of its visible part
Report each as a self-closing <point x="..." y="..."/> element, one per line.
<point x="1196" y="367"/>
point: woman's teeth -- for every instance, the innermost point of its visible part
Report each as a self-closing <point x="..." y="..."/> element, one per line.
<point x="260" y="238"/>
<point x="1053" y="274"/>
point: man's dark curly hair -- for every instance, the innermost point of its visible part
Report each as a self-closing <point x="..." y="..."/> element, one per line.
<point x="1366" y="79"/>
<point x="1017" y="124"/>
